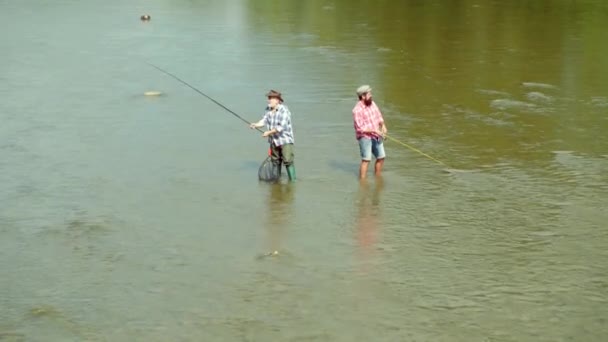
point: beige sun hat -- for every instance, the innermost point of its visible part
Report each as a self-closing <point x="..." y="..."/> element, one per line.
<point x="363" y="89"/>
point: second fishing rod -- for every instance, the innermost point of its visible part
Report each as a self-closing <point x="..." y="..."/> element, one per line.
<point x="200" y="92"/>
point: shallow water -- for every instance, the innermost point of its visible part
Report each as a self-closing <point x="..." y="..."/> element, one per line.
<point x="127" y="218"/>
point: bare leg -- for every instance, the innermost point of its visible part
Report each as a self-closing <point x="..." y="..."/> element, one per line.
<point x="363" y="169"/>
<point x="378" y="166"/>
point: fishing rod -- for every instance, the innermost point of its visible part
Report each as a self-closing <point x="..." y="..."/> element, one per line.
<point x="205" y="95"/>
<point x="243" y="119"/>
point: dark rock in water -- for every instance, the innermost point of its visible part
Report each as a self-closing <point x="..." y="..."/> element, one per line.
<point x="145" y="17"/>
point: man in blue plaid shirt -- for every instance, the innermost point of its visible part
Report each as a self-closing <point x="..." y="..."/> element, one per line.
<point x="280" y="133"/>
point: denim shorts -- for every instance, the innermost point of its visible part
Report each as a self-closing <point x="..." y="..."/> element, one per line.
<point x="374" y="146"/>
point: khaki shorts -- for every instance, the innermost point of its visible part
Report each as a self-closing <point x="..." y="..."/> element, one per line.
<point x="282" y="153"/>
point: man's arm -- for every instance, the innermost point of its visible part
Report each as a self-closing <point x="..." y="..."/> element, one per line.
<point x="256" y="124"/>
<point x="259" y="123"/>
<point x="357" y="122"/>
<point x="284" y="116"/>
<point x="383" y="127"/>
<point x="282" y="122"/>
<point x="271" y="132"/>
<point x="381" y="123"/>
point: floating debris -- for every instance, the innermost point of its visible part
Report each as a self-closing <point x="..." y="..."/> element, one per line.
<point x="269" y="254"/>
<point x="152" y="93"/>
<point x="453" y="171"/>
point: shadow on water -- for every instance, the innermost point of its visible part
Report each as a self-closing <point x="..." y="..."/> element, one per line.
<point x="251" y="165"/>
<point x="83" y="233"/>
<point x="12" y="336"/>
<point x="350" y="167"/>
<point x="50" y="322"/>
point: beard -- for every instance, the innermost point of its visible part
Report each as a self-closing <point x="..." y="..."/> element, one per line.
<point x="368" y="102"/>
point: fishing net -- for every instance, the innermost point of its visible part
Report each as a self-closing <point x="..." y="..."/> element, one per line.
<point x="269" y="172"/>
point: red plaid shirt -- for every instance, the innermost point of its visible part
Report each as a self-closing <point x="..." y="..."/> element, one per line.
<point x="366" y="118"/>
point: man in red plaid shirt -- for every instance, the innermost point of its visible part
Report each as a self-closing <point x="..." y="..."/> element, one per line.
<point x="370" y="130"/>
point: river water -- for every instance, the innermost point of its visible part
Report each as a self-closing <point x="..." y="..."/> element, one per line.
<point x="133" y="218"/>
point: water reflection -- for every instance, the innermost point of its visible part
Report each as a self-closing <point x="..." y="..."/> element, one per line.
<point x="470" y="82"/>
<point x="510" y="75"/>
<point x="279" y="214"/>
<point x="368" y="219"/>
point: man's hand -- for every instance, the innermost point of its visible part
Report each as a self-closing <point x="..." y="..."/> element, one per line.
<point x="379" y="133"/>
<point x="271" y="132"/>
<point x="252" y="125"/>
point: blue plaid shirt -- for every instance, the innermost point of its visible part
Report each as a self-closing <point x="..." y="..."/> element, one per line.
<point x="281" y="120"/>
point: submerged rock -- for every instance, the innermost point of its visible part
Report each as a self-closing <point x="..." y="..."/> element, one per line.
<point x="503" y="104"/>
<point x="493" y="92"/>
<point x="539" y="97"/>
<point x="599" y="102"/>
<point x="538" y="85"/>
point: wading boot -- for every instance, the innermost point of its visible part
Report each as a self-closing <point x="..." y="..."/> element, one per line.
<point x="277" y="171"/>
<point x="291" y="172"/>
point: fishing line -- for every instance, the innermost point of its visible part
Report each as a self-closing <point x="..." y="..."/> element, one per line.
<point x="415" y="150"/>
<point x="205" y="95"/>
